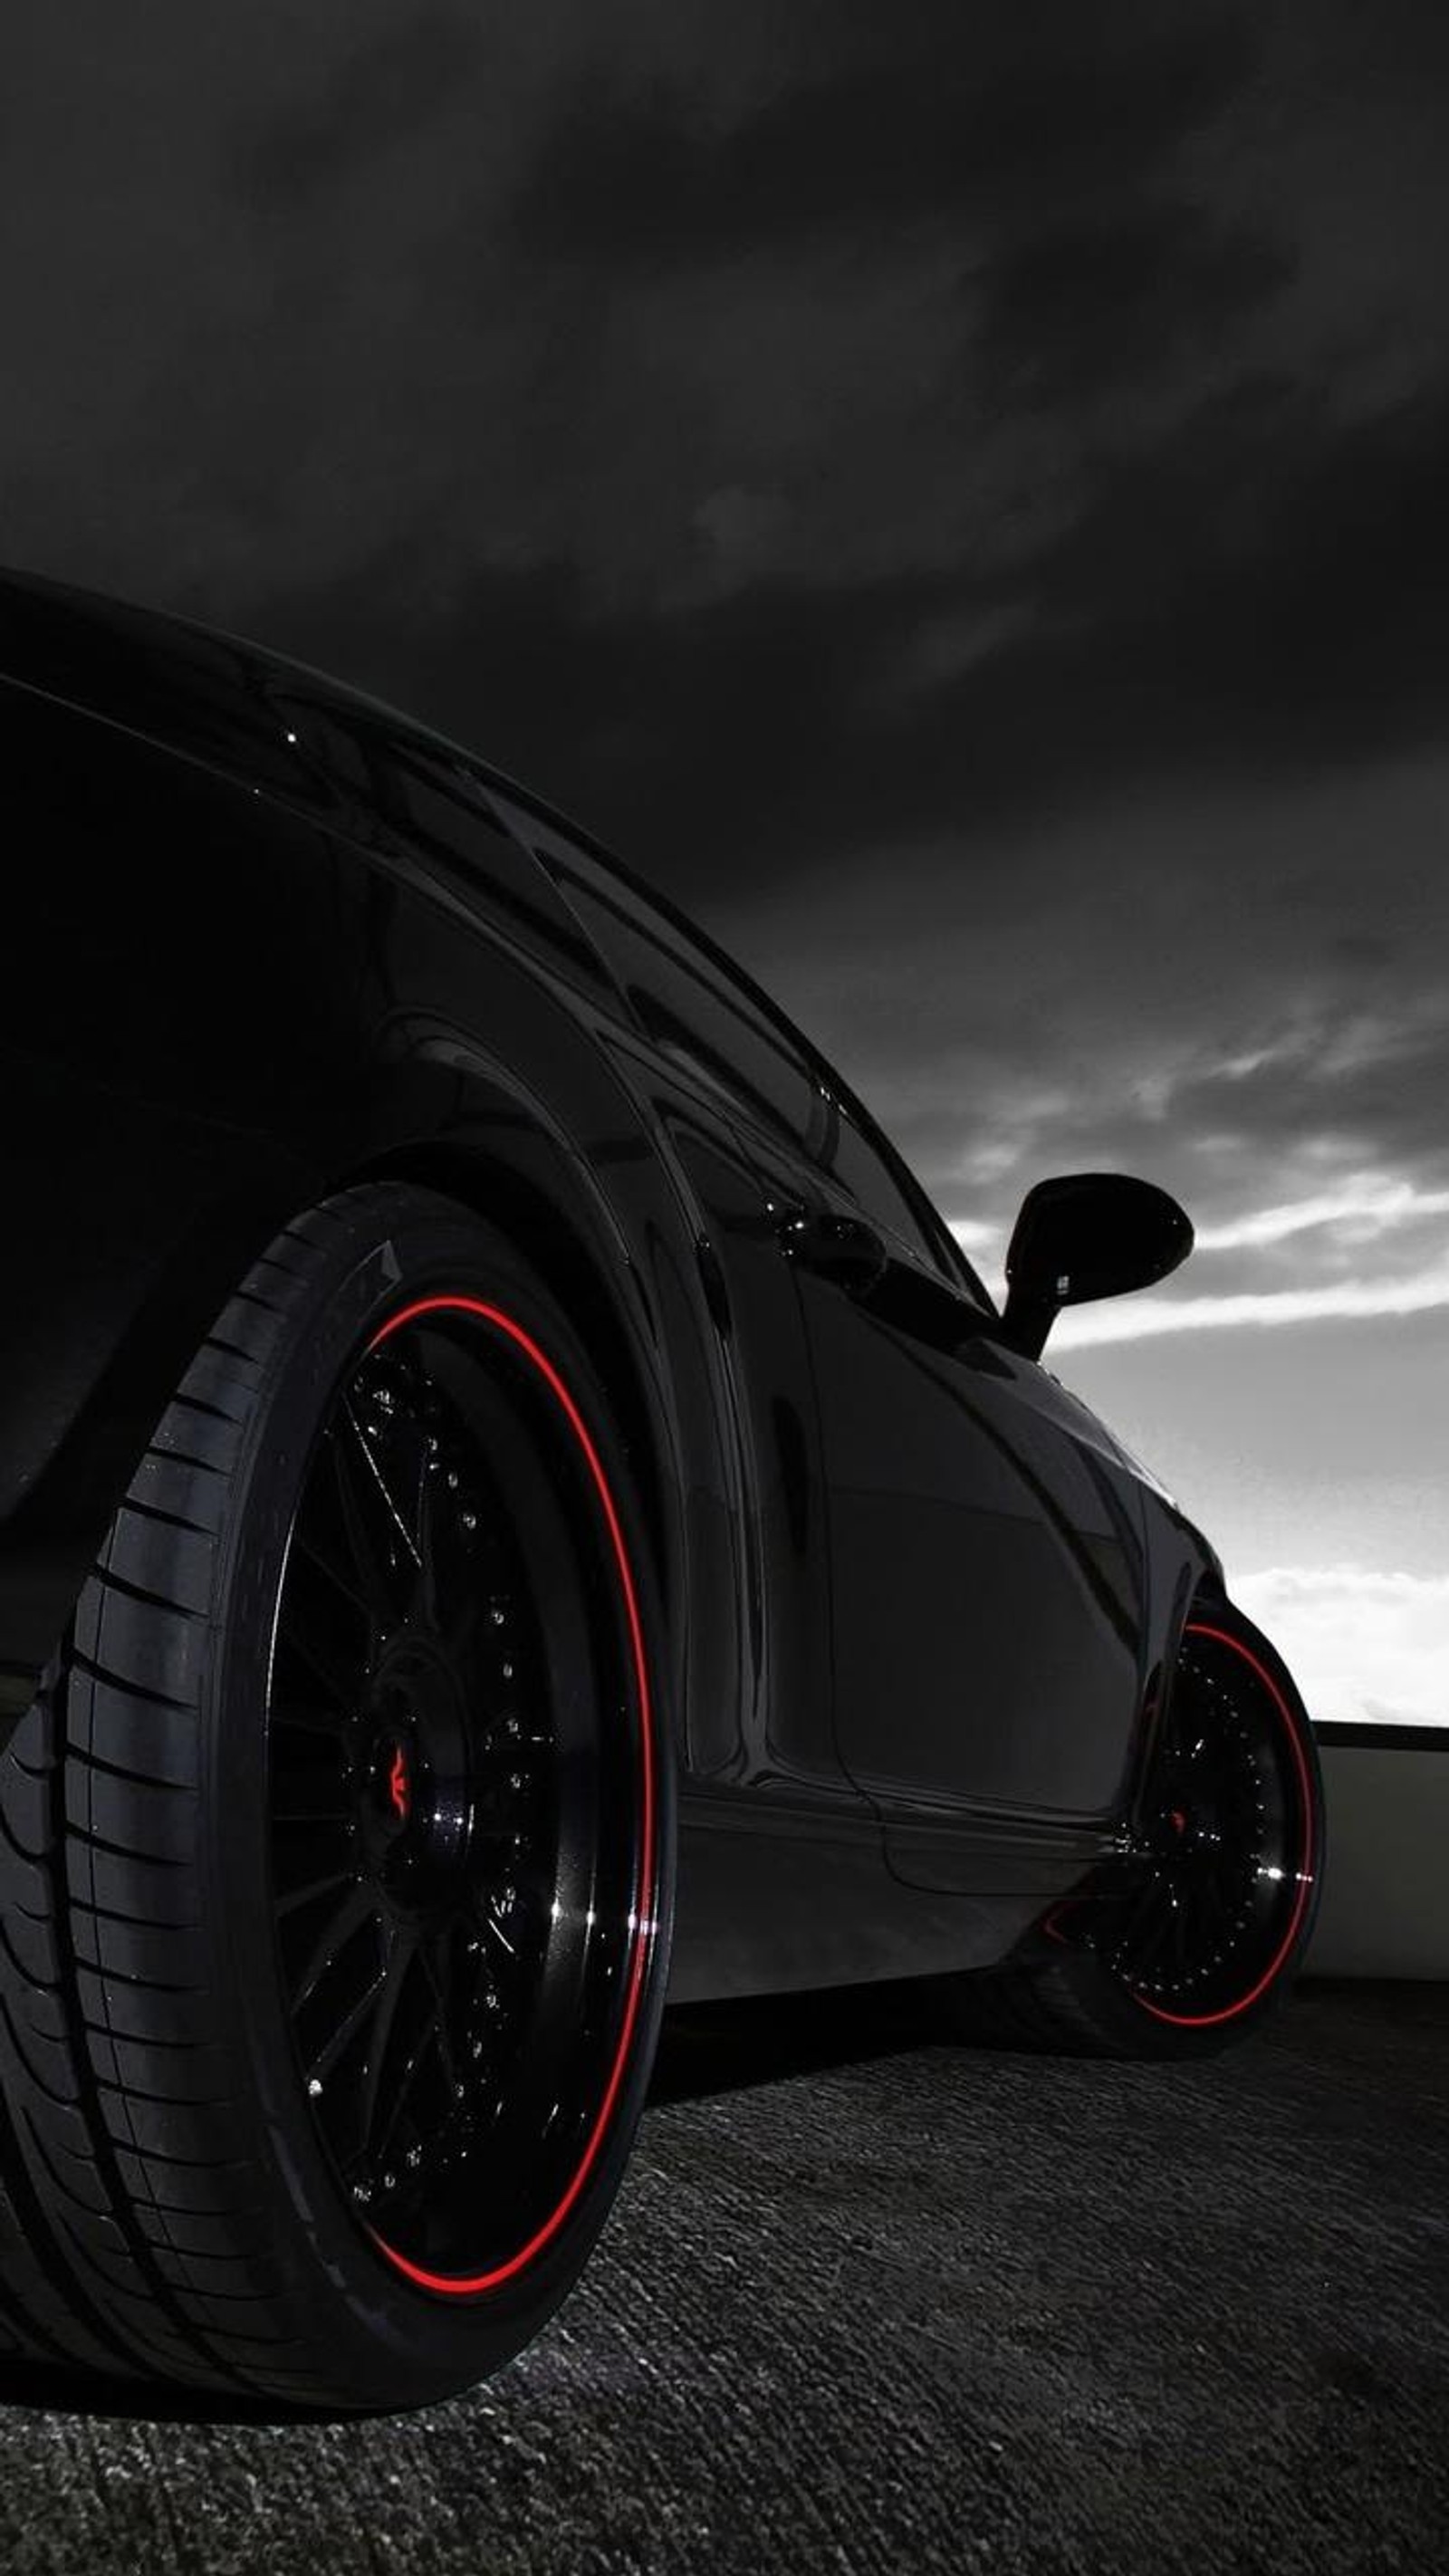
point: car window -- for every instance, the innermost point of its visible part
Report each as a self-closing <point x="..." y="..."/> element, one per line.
<point x="865" y="1163"/>
<point x="696" y="1003"/>
<point x="442" y="806"/>
<point x="859" y="1167"/>
<point x="428" y="799"/>
<point x="690" y="1002"/>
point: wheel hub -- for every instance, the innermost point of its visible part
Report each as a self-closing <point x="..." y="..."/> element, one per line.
<point x="392" y="1781"/>
<point x="416" y="1783"/>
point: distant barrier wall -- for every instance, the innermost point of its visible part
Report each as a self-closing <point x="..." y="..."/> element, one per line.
<point x="1385" y="1910"/>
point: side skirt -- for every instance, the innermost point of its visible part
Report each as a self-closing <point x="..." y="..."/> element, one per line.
<point x="775" y="1894"/>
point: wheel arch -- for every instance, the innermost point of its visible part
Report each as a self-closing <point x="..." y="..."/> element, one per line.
<point x="1184" y="1570"/>
<point x="109" y="1350"/>
<point x="489" y="1186"/>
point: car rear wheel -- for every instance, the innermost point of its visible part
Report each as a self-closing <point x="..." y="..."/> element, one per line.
<point x="1215" y="1924"/>
<point x="335" y="1851"/>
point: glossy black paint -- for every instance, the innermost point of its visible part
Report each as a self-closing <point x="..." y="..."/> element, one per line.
<point x="264" y="937"/>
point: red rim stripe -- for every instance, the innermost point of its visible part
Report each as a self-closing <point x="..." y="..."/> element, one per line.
<point x="1229" y="2012"/>
<point x="453" y="2285"/>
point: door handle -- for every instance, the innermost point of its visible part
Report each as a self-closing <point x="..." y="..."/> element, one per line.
<point x="847" y="1250"/>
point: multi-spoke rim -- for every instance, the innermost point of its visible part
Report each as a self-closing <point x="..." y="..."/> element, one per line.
<point x="1230" y="1842"/>
<point x="461" y="1794"/>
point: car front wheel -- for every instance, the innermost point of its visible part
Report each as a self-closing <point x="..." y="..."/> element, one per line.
<point x="335" y="1850"/>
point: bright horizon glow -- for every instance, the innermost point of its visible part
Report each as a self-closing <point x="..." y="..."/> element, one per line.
<point x="1367" y="1643"/>
<point x="1362" y="1646"/>
<point x="1131" y="1319"/>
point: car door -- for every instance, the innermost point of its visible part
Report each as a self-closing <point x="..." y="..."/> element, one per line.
<point x="952" y="1591"/>
<point x="987" y="1568"/>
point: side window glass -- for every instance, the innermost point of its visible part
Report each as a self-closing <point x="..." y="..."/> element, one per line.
<point x="690" y="1005"/>
<point x="327" y="742"/>
<point x="859" y="1168"/>
<point x="423" y="793"/>
<point x="441" y="809"/>
<point x="885" y="1189"/>
<point x="431" y="802"/>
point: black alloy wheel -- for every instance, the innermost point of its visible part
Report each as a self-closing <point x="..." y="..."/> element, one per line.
<point x="336" y="1852"/>
<point x="453" y="1870"/>
<point x="1207" y="1932"/>
<point x="1232" y="1834"/>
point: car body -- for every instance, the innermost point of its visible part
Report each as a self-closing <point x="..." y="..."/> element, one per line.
<point x="267" y="940"/>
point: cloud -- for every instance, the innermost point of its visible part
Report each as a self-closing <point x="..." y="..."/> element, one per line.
<point x="668" y="174"/>
<point x="1259" y="603"/>
<point x="1366" y="1208"/>
<point x="1141" y="1318"/>
<point x="396" y="82"/>
<point x="1076" y="306"/>
<point x="1361" y="1645"/>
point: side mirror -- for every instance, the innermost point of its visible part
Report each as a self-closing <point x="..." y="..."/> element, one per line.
<point x="1086" y="1235"/>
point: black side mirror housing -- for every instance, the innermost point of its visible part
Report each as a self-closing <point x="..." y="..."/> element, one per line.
<point x="1085" y="1235"/>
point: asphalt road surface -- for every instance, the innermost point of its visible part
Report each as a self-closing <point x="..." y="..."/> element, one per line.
<point x="872" y="2302"/>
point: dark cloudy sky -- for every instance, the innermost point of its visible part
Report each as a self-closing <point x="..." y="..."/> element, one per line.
<point x="961" y="496"/>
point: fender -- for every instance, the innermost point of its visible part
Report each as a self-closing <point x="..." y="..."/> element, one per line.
<point x="255" y="1009"/>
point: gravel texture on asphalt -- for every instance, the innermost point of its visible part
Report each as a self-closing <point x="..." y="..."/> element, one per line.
<point x="871" y="2301"/>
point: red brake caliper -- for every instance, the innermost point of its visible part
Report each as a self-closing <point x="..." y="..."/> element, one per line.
<point x="397" y="1785"/>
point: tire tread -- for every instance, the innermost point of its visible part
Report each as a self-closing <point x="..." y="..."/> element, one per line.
<point x="103" y="2262"/>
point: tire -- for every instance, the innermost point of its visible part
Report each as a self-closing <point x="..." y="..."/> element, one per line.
<point x="1211" y="1937"/>
<point x="336" y="1849"/>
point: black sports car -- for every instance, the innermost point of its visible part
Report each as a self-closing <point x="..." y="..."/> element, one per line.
<point x="512" y="1498"/>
